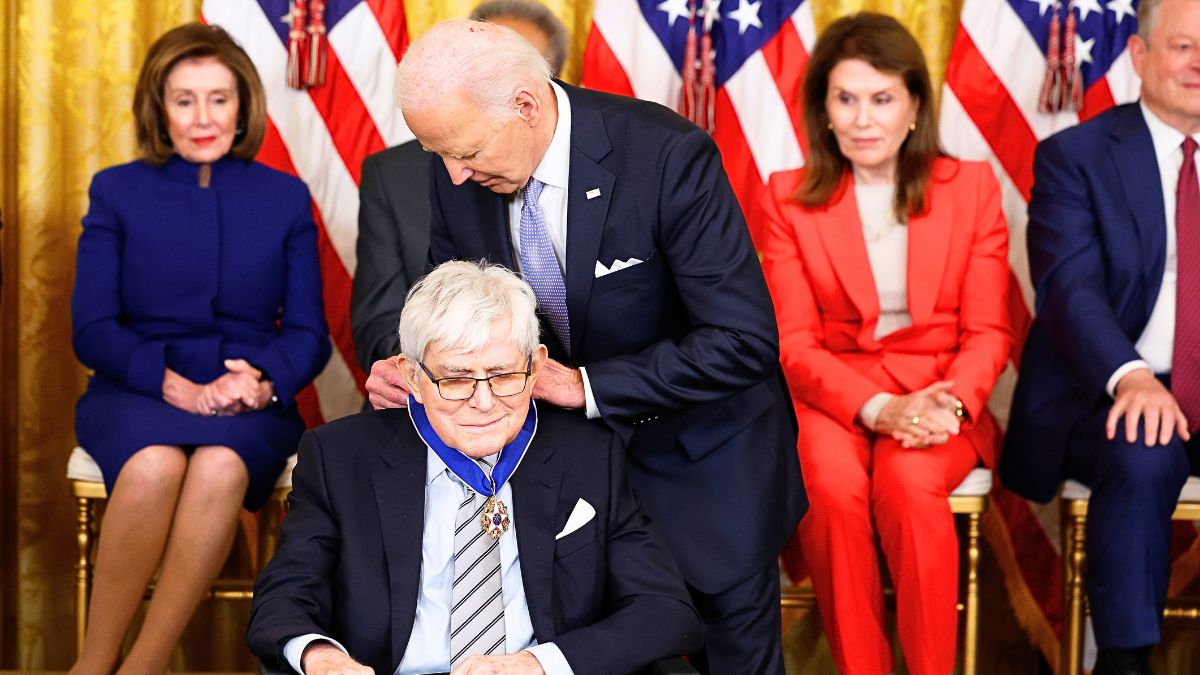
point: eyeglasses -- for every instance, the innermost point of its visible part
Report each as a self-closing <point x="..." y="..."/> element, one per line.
<point x="463" y="388"/>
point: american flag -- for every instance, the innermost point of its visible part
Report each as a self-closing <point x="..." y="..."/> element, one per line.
<point x="637" y="48"/>
<point x="989" y="111"/>
<point x="322" y="134"/>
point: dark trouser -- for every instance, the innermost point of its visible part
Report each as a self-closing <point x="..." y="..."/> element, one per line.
<point x="1134" y="491"/>
<point x="742" y="627"/>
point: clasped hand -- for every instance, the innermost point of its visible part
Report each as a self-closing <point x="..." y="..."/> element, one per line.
<point x="237" y="391"/>
<point x="922" y="418"/>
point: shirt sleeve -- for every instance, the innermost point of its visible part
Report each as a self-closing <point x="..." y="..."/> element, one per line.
<point x="869" y="413"/>
<point x="589" y="399"/>
<point x="1125" y="369"/>
<point x="551" y="658"/>
<point x="294" y="649"/>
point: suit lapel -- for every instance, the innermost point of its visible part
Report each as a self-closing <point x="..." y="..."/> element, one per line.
<point x="928" y="246"/>
<point x="399" y="485"/>
<point x="840" y="228"/>
<point x="535" y="495"/>
<point x="1132" y="154"/>
<point x="586" y="215"/>
<point x="493" y="214"/>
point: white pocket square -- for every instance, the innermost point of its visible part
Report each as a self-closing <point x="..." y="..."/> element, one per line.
<point x="580" y="516"/>
<point x="617" y="266"/>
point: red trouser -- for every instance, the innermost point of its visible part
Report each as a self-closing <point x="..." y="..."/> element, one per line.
<point x="860" y="485"/>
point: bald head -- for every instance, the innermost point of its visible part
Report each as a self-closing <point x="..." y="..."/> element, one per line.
<point x="480" y="61"/>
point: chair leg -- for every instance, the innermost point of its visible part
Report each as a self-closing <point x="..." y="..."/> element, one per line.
<point x="971" y="633"/>
<point x="84" y="515"/>
<point x="268" y="532"/>
<point x="1073" y="556"/>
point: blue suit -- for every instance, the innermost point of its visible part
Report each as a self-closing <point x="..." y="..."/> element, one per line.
<point x="172" y="275"/>
<point x="682" y="350"/>
<point x="1097" y="249"/>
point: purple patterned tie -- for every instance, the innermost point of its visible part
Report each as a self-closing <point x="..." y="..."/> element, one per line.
<point x="540" y="267"/>
<point x="1185" y="369"/>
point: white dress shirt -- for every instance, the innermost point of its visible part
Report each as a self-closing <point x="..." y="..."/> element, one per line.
<point x="553" y="171"/>
<point x="428" y="648"/>
<point x="887" y="251"/>
<point x="1156" y="345"/>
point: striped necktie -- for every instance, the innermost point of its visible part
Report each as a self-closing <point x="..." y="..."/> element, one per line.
<point x="539" y="265"/>
<point x="1185" y="366"/>
<point x="477" y="612"/>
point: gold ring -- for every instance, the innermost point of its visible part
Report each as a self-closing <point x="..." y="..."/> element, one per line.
<point x="916" y="419"/>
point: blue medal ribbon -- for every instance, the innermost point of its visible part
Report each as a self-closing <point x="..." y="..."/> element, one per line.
<point x="466" y="468"/>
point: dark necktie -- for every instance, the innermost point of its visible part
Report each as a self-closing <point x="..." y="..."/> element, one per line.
<point x="539" y="265"/>
<point x="1185" y="367"/>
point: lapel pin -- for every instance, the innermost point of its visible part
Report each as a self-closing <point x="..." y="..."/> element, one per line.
<point x="593" y="193"/>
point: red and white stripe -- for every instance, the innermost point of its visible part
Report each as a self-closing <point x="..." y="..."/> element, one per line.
<point x="758" y="120"/>
<point x="322" y="135"/>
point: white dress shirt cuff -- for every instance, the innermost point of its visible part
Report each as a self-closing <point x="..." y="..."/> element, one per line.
<point x="1113" y="379"/>
<point x="869" y="413"/>
<point x="589" y="401"/>
<point x="293" y="651"/>
<point x="551" y="657"/>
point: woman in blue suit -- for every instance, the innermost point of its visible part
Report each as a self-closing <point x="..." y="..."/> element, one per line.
<point x="197" y="304"/>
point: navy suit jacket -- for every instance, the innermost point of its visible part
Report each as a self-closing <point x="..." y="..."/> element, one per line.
<point x="392" y="248"/>
<point x="682" y="350"/>
<point x="349" y="560"/>
<point x="1097" y="243"/>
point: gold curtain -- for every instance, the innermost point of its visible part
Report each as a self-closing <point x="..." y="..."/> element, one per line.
<point x="68" y="70"/>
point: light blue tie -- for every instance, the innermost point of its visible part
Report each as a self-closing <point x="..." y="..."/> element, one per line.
<point x="540" y="267"/>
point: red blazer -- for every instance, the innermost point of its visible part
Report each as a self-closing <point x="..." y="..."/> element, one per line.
<point x="816" y="265"/>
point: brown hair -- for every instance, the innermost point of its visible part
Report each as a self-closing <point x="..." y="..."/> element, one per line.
<point x="883" y="43"/>
<point x="193" y="40"/>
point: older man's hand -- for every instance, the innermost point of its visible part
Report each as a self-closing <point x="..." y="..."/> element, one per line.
<point x="1142" y="398"/>
<point x="521" y="663"/>
<point x="386" y="387"/>
<point x="560" y="385"/>
<point x="322" y="658"/>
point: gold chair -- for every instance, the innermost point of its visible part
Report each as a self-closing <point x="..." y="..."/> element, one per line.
<point x="970" y="498"/>
<point x="87" y="487"/>
<point x="1074" y="503"/>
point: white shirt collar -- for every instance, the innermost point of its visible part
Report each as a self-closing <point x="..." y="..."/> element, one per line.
<point x="1166" y="138"/>
<point x="435" y="467"/>
<point x="555" y="165"/>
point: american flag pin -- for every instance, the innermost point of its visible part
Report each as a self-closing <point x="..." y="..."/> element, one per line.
<point x="593" y="193"/>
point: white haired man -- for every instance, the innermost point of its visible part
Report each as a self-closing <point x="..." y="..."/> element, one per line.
<point x="393" y="210"/>
<point x="475" y="531"/>
<point x="654" y="307"/>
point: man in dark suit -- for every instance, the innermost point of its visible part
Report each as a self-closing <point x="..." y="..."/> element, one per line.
<point x="1109" y="392"/>
<point x="393" y="210"/>
<point x="408" y="549"/>
<point x="661" y="324"/>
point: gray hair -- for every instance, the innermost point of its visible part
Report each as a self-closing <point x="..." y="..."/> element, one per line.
<point x="488" y="62"/>
<point x="1146" y="17"/>
<point x="534" y="13"/>
<point x="457" y="303"/>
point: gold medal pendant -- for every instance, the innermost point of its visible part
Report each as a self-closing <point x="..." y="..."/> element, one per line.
<point x="494" y="520"/>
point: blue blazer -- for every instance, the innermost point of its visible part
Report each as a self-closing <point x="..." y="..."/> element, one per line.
<point x="349" y="559"/>
<point x="1097" y="247"/>
<point x="682" y="350"/>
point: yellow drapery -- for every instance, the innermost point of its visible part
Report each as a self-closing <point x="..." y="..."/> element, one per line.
<point x="67" y="71"/>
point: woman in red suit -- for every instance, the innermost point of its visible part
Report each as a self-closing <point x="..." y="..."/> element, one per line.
<point x="888" y="266"/>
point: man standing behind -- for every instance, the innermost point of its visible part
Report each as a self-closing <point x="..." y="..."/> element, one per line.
<point x="653" y="304"/>
<point x="1109" y="392"/>
<point x="393" y="211"/>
